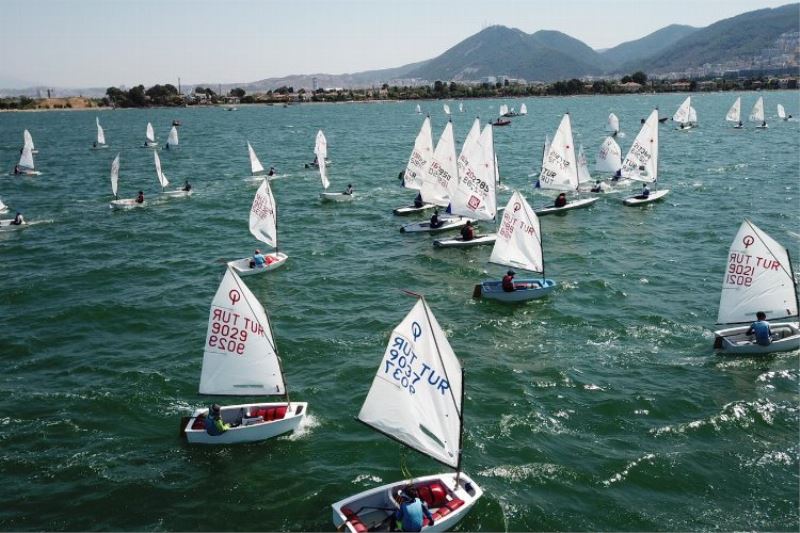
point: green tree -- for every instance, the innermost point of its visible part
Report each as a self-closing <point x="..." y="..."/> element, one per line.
<point x="639" y="77"/>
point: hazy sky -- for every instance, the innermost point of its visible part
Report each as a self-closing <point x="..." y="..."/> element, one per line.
<point x="88" y="43"/>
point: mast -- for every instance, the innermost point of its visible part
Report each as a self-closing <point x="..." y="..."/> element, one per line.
<point x="460" y="429"/>
<point x="574" y="160"/>
<point x="794" y="281"/>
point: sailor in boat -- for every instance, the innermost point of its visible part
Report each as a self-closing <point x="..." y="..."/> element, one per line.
<point x="140" y="198"/>
<point x="418" y="201"/>
<point x="349" y="190"/>
<point x="412" y="512"/>
<point x="187" y="186"/>
<point x="598" y="186"/>
<point x="617" y="175"/>
<point x="18" y="220"/>
<point x="435" y="222"/>
<point x="760" y="328"/>
<point x="258" y="261"/>
<point x="509" y="285"/>
<point x="645" y="194"/>
<point x="740" y="123"/>
<point x="94" y="144"/>
<point x="214" y="424"/>
<point x="561" y="200"/>
<point x="401" y="177"/>
<point x="271" y="171"/>
<point x="17" y="171"/>
<point x="764" y="124"/>
<point x="468" y="232"/>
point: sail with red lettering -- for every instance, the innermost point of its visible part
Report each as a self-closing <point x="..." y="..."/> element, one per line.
<point x="758" y="277"/>
<point x="263" y="216"/>
<point x="519" y="241"/>
<point x="474" y="193"/>
<point x="416" y="394"/>
<point x="560" y="166"/>
<point x="641" y="163"/>
<point x="240" y="358"/>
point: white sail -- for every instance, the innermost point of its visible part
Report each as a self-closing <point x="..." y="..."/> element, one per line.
<point x="419" y="110"/>
<point x="583" y="167"/>
<point x="3" y="206"/>
<point x="735" y="112"/>
<point x="609" y="157"/>
<point x="682" y="114"/>
<point x="612" y="126"/>
<point x="26" y="158"/>
<point x="442" y="169"/>
<point x="474" y="194"/>
<point x="28" y="140"/>
<point x="162" y="179"/>
<point x="321" y="151"/>
<point x="781" y="112"/>
<point x="472" y="135"/>
<point x="757" y="114"/>
<point x="101" y="136"/>
<point x="115" y="175"/>
<point x="150" y="134"/>
<point x="461" y="107"/>
<point x="255" y="164"/>
<point x="523" y="109"/>
<point x="503" y="110"/>
<point x="641" y="163"/>
<point x="545" y="149"/>
<point x="239" y="357"/>
<point x="416" y="394"/>
<point x="263" y="216"/>
<point x="420" y="156"/>
<point x="519" y="241"/>
<point x="692" y="115"/>
<point x="446" y="109"/>
<point x="559" y="171"/>
<point x="172" y="139"/>
<point x="757" y="277"/>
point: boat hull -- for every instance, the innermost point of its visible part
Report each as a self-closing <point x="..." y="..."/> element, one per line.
<point x="126" y="203"/>
<point x="177" y="193"/>
<point x="655" y="196"/>
<point x="458" y="242"/>
<point x="26" y="173"/>
<point x="149" y="144"/>
<point x="242" y="266"/>
<point x="575" y="204"/>
<point x="410" y="209"/>
<point x="249" y="428"/>
<point x="425" y="227"/>
<point x="6" y="225"/>
<point x="373" y="509"/>
<point x="493" y="290"/>
<point x="734" y="341"/>
<point x="335" y="197"/>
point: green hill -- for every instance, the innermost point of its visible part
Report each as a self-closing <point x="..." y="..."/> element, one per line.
<point x="647" y="46"/>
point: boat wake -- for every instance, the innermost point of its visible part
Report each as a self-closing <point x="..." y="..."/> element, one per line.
<point x="304" y="429"/>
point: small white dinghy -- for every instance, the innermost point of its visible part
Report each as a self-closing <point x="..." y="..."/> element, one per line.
<point x="758" y="277"/>
<point x="150" y="137"/>
<point x="164" y="182"/>
<point x="757" y="114"/>
<point x="321" y="151"/>
<point x="518" y="245"/>
<point x="264" y="227"/>
<point x="683" y="115"/>
<point x="782" y="113"/>
<point x="256" y="168"/>
<point x="420" y="157"/>
<point x="523" y="110"/>
<point x="571" y="204"/>
<point x="411" y="209"/>
<point x="459" y="242"/>
<point x="735" y="113"/>
<point x="100" y="143"/>
<point x="25" y="166"/>
<point x="117" y="202"/>
<point x="612" y="125"/>
<point x="447" y="224"/>
<point x="7" y="224"/>
<point x="416" y="398"/>
<point x="241" y="359"/>
<point x="641" y="163"/>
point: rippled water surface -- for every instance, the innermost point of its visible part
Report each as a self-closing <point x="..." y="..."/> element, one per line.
<point x="601" y="407"/>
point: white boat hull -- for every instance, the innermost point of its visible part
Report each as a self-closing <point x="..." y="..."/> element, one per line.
<point x="274" y="260"/>
<point x="6" y="225"/>
<point x="493" y="290"/>
<point x="459" y="242"/>
<point x="447" y="224"/>
<point x="410" y="209"/>
<point x="126" y="203"/>
<point x="373" y="509"/>
<point x="785" y="337"/>
<point x="99" y="147"/>
<point x="575" y="204"/>
<point x="177" y="193"/>
<point x="27" y="173"/>
<point x="335" y="197"/>
<point x="257" y="178"/>
<point x="653" y="197"/>
<point x="249" y="428"/>
<point x="149" y="144"/>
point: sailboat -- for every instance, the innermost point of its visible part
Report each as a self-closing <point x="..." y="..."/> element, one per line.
<point x="682" y="115"/>
<point x="417" y="399"/>
<point x="560" y="170"/>
<point x="256" y="168"/>
<point x="442" y="169"/>
<point x="523" y="110"/>
<point x="150" y="137"/>
<point x="518" y="245"/>
<point x="758" y="277"/>
<point x="782" y="113"/>
<point x="25" y="166"/>
<point x="609" y="157"/>
<point x="420" y="157"/>
<point x="612" y="126"/>
<point x="461" y="107"/>
<point x="164" y="182"/>
<point x="446" y="109"/>
<point x="28" y="141"/>
<point x="117" y="202"/>
<point x="264" y="227"/>
<point x="100" y="143"/>
<point x="241" y="359"/>
<point x="757" y="114"/>
<point x="172" y="139"/>
<point x="321" y="151"/>
<point x="735" y="113"/>
<point x="419" y="110"/>
<point x="693" y="116"/>
<point x="473" y="194"/>
<point x="641" y="163"/>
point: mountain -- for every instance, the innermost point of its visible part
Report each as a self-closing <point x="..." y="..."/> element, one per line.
<point x="741" y="37"/>
<point x="498" y="50"/>
<point x="648" y="45"/>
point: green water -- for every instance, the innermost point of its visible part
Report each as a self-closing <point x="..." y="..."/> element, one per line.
<point x="601" y="407"/>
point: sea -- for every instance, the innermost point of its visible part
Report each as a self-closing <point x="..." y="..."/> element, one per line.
<point x="601" y="407"/>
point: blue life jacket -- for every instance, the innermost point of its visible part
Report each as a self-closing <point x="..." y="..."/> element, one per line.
<point x="762" y="332"/>
<point x="411" y="515"/>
